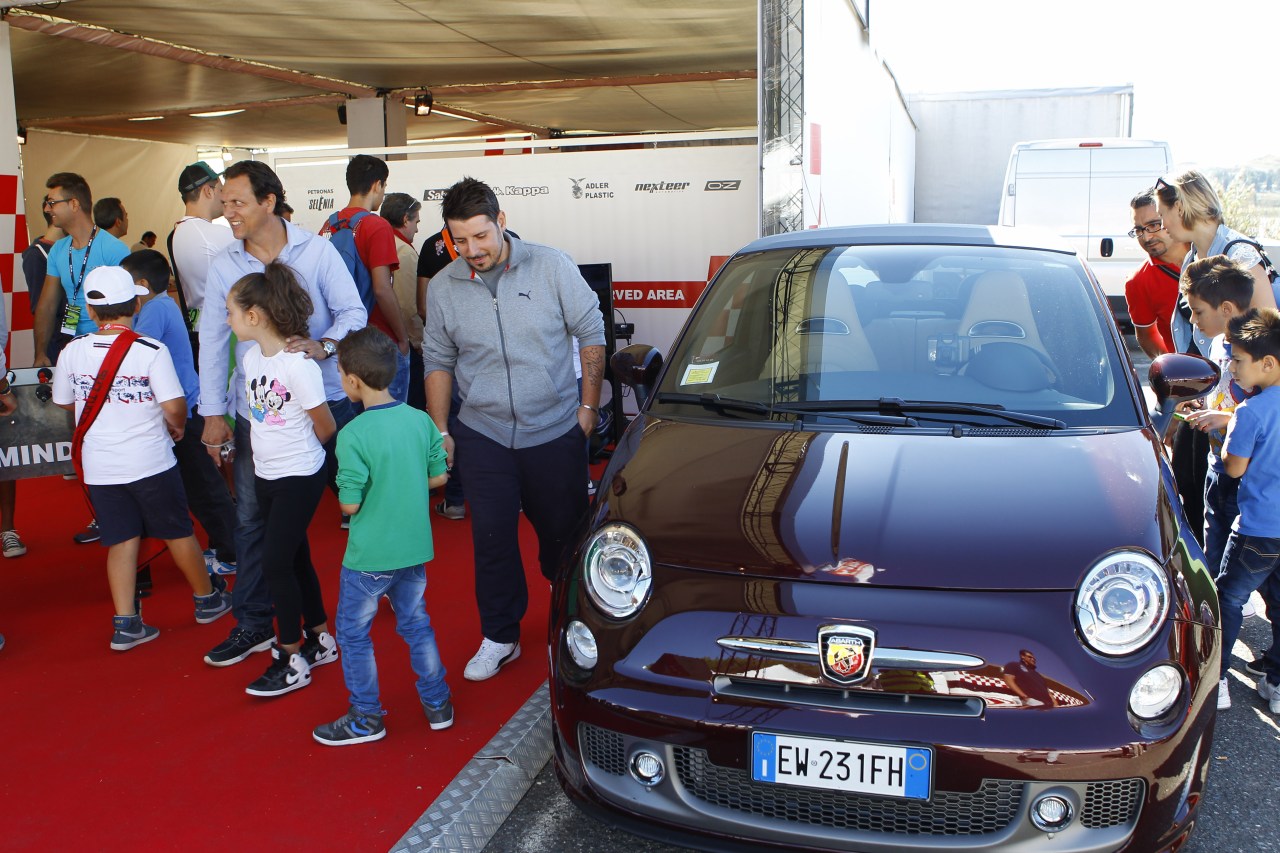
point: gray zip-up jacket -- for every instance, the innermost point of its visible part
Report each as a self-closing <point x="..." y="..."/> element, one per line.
<point x="511" y="355"/>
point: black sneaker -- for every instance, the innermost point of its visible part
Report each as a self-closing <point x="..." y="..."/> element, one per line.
<point x="239" y="646"/>
<point x="439" y="718"/>
<point x="351" y="728"/>
<point x="1258" y="665"/>
<point x="130" y="631"/>
<point x="288" y="672"/>
<point x="89" y="534"/>
<point x="319" y="649"/>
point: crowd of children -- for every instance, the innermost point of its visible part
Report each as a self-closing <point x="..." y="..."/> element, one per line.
<point x="131" y="406"/>
<point x="1242" y="490"/>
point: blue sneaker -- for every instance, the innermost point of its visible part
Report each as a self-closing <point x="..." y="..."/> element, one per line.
<point x="216" y="566"/>
<point x="210" y="607"/>
<point x="351" y="728"/>
<point x="130" y="632"/>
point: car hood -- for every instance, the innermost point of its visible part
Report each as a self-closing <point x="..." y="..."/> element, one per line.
<point x="997" y="511"/>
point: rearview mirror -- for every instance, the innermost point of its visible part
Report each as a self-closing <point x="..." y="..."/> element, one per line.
<point x="1176" y="377"/>
<point x="638" y="366"/>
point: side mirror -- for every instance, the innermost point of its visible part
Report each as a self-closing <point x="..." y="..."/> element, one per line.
<point x="638" y="366"/>
<point x="1108" y="247"/>
<point x="1176" y="377"/>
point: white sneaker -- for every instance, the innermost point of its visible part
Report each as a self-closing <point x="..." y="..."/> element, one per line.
<point x="1270" y="692"/>
<point x="489" y="659"/>
<point x="10" y="543"/>
<point x="1224" y="695"/>
<point x="1248" y="609"/>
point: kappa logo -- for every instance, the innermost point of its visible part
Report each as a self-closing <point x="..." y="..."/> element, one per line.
<point x="846" y="652"/>
<point x="721" y="186"/>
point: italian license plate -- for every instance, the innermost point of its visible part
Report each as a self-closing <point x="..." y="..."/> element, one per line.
<point x="840" y="765"/>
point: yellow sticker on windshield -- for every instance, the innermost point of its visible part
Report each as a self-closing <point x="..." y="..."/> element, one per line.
<point x="699" y="374"/>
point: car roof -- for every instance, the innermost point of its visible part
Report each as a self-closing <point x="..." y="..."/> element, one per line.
<point x="914" y="234"/>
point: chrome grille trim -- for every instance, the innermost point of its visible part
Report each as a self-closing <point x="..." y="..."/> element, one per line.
<point x="884" y="658"/>
<point x="848" y="699"/>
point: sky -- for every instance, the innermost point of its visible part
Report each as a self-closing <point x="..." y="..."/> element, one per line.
<point x="1206" y="75"/>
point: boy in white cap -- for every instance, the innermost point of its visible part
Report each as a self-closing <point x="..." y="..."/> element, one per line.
<point x="126" y="456"/>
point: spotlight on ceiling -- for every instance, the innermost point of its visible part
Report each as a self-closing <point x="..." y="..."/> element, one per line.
<point x="422" y="104"/>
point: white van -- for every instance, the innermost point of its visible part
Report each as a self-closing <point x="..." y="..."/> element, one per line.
<point x="1080" y="189"/>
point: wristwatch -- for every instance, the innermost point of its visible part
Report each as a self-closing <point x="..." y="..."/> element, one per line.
<point x="330" y="348"/>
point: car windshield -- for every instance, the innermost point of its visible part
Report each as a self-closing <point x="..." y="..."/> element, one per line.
<point x="923" y="334"/>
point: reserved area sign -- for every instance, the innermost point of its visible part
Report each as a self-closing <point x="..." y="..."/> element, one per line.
<point x="35" y="440"/>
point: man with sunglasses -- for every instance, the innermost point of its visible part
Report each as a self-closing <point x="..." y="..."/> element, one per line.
<point x="86" y="247"/>
<point x="1152" y="291"/>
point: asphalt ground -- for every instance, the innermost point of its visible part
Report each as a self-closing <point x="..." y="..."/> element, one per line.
<point x="1239" y="812"/>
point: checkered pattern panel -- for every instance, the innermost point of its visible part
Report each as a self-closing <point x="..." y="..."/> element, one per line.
<point x="13" y="240"/>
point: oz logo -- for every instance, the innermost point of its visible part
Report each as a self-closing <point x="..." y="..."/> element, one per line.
<point x="721" y="186"/>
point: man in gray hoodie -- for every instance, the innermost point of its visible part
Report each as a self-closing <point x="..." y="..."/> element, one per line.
<point x="501" y="319"/>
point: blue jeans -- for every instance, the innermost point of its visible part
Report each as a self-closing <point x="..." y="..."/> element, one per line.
<point x="1220" y="511"/>
<point x="358" y="596"/>
<point x="250" y="599"/>
<point x="399" y="387"/>
<point x="1249" y="563"/>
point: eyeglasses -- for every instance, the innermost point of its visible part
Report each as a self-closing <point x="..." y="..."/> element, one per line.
<point x="50" y="202"/>
<point x="1149" y="228"/>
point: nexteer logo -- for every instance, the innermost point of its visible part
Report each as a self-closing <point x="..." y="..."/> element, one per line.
<point x="721" y="186"/>
<point x="663" y="187"/>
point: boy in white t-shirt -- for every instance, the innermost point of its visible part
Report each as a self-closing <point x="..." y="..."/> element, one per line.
<point x="130" y="472"/>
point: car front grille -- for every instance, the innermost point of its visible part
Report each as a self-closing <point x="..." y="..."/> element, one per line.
<point x="989" y="810"/>
<point x="1111" y="803"/>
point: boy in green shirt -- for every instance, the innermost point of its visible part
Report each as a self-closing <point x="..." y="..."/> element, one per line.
<point x="389" y="459"/>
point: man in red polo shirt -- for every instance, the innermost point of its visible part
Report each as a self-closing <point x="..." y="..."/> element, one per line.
<point x="1152" y="292"/>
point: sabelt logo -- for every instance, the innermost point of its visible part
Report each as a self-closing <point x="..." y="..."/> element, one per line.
<point x="436" y="194"/>
<point x="721" y="186"/>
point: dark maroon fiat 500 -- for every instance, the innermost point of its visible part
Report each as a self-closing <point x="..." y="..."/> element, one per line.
<point x="891" y="559"/>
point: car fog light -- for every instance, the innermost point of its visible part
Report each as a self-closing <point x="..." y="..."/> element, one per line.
<point x="647" y="768"/>
<point x="1155" y="692"/>
<point x="1051" y="813"/>
<point x="582" y="644"/>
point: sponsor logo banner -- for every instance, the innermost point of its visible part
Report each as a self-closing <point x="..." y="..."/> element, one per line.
<point x="657" y="294"/>
<point x="663" y="187"/>
<point x="722" y="186"/>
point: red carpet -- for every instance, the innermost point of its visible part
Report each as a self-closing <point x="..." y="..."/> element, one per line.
<point x="153" y="749"/>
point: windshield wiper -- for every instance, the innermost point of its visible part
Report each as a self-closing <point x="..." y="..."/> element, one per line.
<point x="715" y="401"/>
<point x="992" y="409"/>
<point x="837" y="409"/>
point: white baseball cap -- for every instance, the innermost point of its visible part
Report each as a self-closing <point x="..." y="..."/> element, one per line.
<point x="111" y="286"/>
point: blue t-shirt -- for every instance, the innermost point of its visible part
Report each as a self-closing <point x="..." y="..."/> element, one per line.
<point x="161" y="318"/>
<point x="1254" y="434"/>
<point x="105" y="251"/>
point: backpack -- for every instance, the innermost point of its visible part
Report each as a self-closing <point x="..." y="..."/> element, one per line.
<point x="342" y="234"/>
<point x="1269" y="267"/>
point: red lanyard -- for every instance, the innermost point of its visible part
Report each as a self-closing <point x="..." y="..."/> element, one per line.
<point x="115" y="327"/>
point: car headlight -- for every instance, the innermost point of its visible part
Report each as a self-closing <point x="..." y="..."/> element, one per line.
<point x="617" y="569"/>
<point x="1122" y="603"/>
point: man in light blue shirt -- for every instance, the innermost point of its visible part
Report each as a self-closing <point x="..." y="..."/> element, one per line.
<point x="253" y="200"/>
<point x="86" y="247"/>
